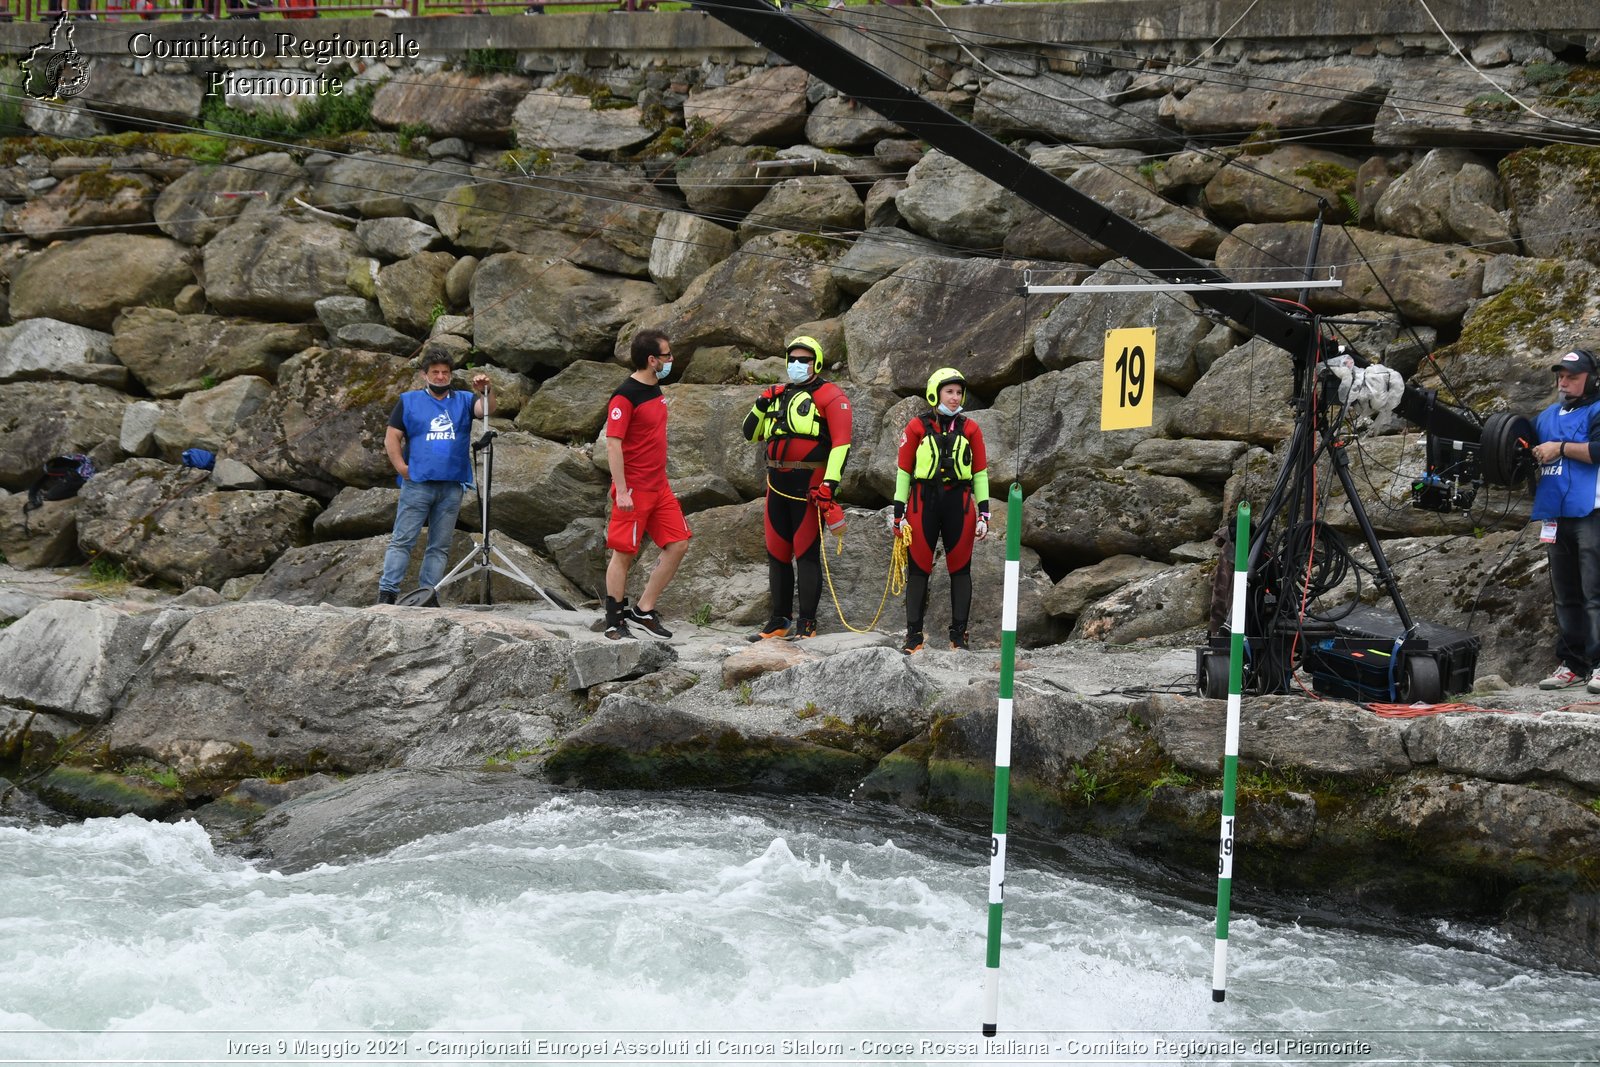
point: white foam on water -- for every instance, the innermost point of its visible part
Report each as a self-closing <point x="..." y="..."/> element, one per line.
<point x="689" y="916"/>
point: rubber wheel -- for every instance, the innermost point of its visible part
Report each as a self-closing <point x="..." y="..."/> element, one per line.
<point x="1505" y="454"/>
<point x="1215" y="682"/>
<point x="1422" y="685"/>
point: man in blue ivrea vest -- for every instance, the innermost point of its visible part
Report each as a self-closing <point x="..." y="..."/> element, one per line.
<point x="1566" y="503"/>
<point x="429" y="443"/>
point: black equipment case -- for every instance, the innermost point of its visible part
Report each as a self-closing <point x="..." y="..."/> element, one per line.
<point x="1365" y="659"/>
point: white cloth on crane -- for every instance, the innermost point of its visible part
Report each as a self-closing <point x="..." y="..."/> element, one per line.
<point x="1370" y="390"/>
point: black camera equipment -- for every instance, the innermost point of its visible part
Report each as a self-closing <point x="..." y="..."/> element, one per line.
<point x="486" y="558"/>
<point x="1295" y="557"/>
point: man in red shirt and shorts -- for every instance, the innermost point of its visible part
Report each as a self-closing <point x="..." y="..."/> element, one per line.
<point x="642" y="503"/>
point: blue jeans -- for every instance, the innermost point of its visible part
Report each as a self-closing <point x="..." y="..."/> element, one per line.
<point x="1575" y="590"/>
<point x="434" y="503"/>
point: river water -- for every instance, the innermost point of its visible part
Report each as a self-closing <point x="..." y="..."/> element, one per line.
<point x="646" y="929"/>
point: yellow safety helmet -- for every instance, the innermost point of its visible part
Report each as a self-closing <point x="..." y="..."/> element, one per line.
<point x="810" y="344"/>
<point x="939" y="379"/>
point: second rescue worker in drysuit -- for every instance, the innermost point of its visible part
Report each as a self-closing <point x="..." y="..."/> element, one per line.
<point x="806" y="425"/>
<point x="941" y="490"/>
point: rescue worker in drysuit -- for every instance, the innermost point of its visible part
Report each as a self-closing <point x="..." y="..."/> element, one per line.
<point x="806" y="425"/>
<point x="941" y="491"/>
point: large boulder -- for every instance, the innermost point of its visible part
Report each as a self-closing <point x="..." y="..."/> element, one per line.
<point x="1460" y="106"/>
<point x="1071" y="109"/>
<point x="39" y="420"/>
<point x="323" y="427"/>
<point x="1448" y="195"/>
<point x="1291" y="99"/>
<point x="768" y="107"/>
<point x="558" y="123"/>
<point x="898" y="700"/>
<point x="949" y="202"/>
<point x="166" y="523"/>
<point x="970" y="306"/>
<point x="399" y="674"/>
<point x="207" y="418"/>
<point x="374" y="184"/>
<point x="202" y="203"/>
<point x="880" y="251"/>
<point x="1125" y="189"/>
<point x="540" y="486"/>
<point x="278" y="268"/>
<point x="49" y="348"/>
<point x="411" y="291"/>
<point x="1321" y="737"/>
<point x="558" y="217"/>
<point x="821" y="204"/>
<point x="45" y="536"/>
<point x="1290" y="182"/>
<point x="1244" y="396"/>
<point x="70" y="658"/>
<point x="1175" y="601"/>
<point x="1501" y="361"/>
<point x="1431" y="283"/>
<point x="391" y="238"/>
<point x="530" y="314"/>
<point x="174" y="354"/>
<point x="94" y="200"/>
<point x="572" y="405"/>
<point x="1088" y="514"/>
<point x="685" y="247"/>
<point x="452" y="103"/>
<point x="1560" y="745"/>
<point x="839" y="122"/>
<point x="725" y="181"/>
<point x="90" y="280"/>
<point x="1074" y="330"/>
<point x="1553" y="200"/>
<point x="755" y="298"/>
<point x="1085" y="585"/>
<point x="162" y="98"/>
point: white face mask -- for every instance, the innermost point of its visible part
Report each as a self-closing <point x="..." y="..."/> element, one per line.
<point x="663" y="370"/>
<point x="946" y="411"/>
<point x="799" y="372"/>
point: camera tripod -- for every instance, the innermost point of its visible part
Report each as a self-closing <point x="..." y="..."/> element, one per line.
<point x="486" y="559"/>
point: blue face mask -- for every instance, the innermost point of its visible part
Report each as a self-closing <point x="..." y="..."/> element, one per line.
<point x="799" y="372"/>
<point x="946" y="411"/>
<point x="663" y="370"/>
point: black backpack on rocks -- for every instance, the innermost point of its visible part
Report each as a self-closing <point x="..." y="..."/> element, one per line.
<point x="62" y="478"/>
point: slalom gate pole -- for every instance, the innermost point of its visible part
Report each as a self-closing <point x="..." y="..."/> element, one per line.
<point x="1002" y="760"/>
<point x="1230" y="752"/>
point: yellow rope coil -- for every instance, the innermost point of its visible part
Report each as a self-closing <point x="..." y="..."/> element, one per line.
<point x="893" y="583"/>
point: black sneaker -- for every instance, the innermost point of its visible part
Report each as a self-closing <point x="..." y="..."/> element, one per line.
<point x="650" y="620"/>
<point x="776" y="626"/>
<point x="958" y="639"/>
<point x="618" y="630"/>
<point x="803" y="628"/>
<point x="913" y="642"/>
<point x="385" y="597"/>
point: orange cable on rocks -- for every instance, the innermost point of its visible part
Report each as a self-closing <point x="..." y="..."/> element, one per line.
<point x="1418" y="711"/>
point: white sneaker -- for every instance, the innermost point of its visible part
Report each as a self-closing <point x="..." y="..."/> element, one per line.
<point x="1594" y="681"/>
<point x="1564" y="677"/>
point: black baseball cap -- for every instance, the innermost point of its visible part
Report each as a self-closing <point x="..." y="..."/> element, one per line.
<point x="1578" y="361"/>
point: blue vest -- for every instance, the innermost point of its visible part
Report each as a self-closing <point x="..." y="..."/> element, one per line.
<point x="1567" y="489"/>
<point x="438" y="435"/>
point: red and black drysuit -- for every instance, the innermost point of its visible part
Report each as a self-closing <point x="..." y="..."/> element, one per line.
<point x="941" y="489"/>
<point x="807" y="430"/>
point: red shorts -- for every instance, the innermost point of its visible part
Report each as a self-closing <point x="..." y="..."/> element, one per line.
<point x="656" y="515"/>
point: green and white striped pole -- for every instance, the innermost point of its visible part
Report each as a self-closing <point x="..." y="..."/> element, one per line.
<point x="1230" y="752"/>
<point x="1002" y="760"/>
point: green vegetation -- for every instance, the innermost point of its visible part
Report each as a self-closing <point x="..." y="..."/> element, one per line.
<point x="503" y="761"/>
<point x="11" y="101"/>
<point x="411" y="132"/>
<point x="203" y="148"/>
<point x="325" y="115"/>
<point x="165" y="777"/>
<point x="747" y="695"/>
<point x="107" y="575"/>
<point x="435" y="312"/>
<point x="483" y="62"/>
<point x="208" y="381"/>
<point x="810" y="711"/>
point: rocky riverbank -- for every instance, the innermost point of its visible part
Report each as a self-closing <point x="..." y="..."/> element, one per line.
<point x="228" y="713"/>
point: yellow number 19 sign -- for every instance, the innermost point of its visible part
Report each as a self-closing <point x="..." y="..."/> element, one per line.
<point x="1128" y="384"/>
